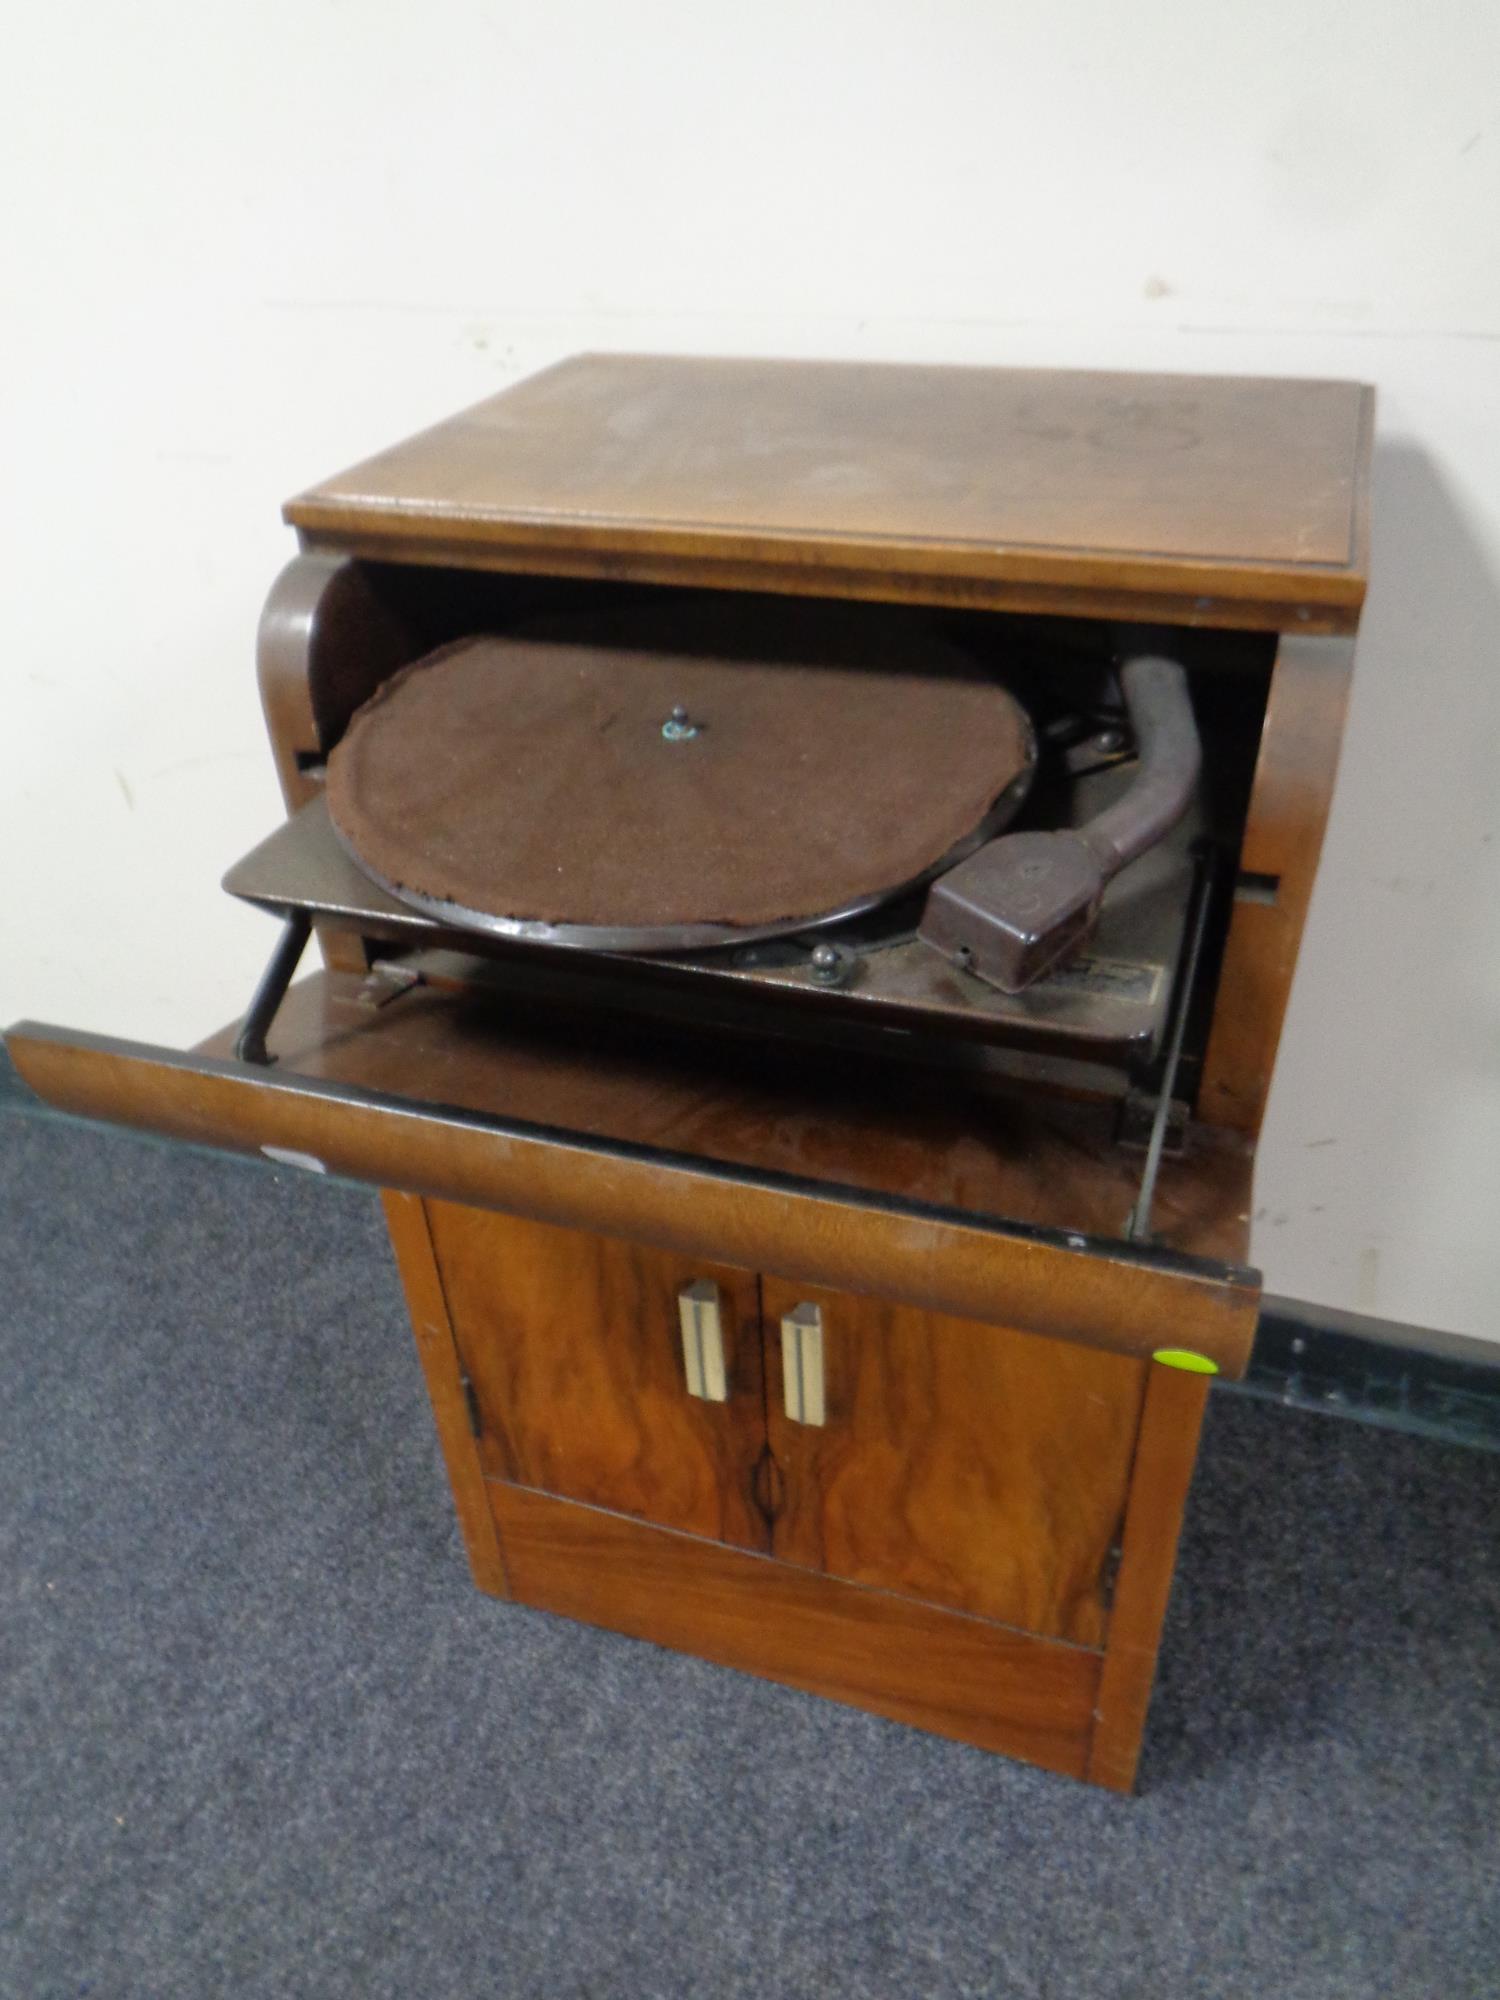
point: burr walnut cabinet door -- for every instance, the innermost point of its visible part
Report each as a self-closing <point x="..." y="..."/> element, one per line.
<point x="573" y="1345"/>
<point x="964" y="1464"/>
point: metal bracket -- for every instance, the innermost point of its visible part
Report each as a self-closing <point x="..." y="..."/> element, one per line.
<point x="1136" y="1119"/>
<point x="471" y="1403"/>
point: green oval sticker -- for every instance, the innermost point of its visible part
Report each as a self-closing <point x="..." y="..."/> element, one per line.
<point x="1184" y="1357"/>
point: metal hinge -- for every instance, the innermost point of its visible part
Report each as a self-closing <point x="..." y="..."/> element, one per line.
<point x="1109" y="1575"/>
<point x="1134" y="1119"/>
<point x="386" y="981"/>
<point x="471" y="1403"/>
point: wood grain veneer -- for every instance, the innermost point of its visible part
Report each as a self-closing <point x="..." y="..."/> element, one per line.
<point x="1165" y="1454"/>
<point x="1210" y="501"/>
<point x="936" y="1670"/>
<point x="326" y="640"/>
<point x="859" y="1124"/>
<point x="811" y="1231"/>
<point x="411" y="1239"/>
<point x="571" y="1342"/>
<point x="1289" y="805"/>
<point x="963" y="1464"/>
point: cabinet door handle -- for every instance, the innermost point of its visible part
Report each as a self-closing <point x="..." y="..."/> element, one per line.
<point x="703" y="1341"/>
<point x="802" y="1364"/>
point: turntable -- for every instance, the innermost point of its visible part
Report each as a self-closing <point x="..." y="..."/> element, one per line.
<point x="809" y="862"/>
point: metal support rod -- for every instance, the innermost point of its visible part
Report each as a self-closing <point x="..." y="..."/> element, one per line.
<point x="250" y="1043"/>
<point x="1138" y="1222"/>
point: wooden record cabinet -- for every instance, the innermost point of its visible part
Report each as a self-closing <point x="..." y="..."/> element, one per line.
<point x="838" y="1374"/>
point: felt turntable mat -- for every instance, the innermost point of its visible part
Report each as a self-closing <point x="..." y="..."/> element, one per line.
<point x="838" y="757"/>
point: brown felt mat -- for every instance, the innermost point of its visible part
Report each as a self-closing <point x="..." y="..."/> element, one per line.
<point x="527" y="776"/>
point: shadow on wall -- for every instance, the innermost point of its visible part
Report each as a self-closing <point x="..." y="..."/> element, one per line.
<point x="1383" y="1158"/>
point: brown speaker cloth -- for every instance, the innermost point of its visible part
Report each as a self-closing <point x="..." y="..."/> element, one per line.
<point x="839" y="756"/>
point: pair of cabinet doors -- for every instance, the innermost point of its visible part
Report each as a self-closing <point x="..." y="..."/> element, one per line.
<point x="965" y="1465"/>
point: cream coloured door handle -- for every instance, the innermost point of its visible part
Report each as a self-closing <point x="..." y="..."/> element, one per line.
<point x="802" y="1364"/>
<point x="703" y="1341"/>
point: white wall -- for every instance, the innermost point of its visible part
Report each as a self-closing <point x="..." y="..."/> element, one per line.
<point x="242" y="246"/>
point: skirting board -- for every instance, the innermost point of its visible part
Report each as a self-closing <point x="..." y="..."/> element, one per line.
<point x="1399" y="1378"/>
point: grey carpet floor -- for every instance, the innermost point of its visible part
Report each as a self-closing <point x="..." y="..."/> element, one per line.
<point x="261" y="1737"/>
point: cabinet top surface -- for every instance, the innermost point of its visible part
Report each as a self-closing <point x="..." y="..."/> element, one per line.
<point x="1114" y="492"/>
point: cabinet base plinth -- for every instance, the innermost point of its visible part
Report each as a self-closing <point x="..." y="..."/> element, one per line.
<point x="935" y="1670"/>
